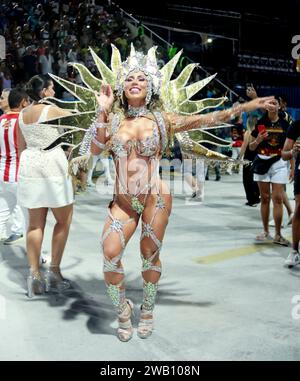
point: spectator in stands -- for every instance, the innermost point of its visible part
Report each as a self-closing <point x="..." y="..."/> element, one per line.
<point x="30" y="63"/>
<point x="45" y="33"/>
<point x="46" y="62"/>
<point x="5" y="78"/>
<point x="62" y="66"/>
<point x="21" y="48"/>
<point x="27" y="35"/>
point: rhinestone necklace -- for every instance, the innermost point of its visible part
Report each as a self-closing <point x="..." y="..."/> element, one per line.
<point x="136" y="112"/>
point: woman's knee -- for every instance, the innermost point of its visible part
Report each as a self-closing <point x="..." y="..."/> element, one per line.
<point x="277" y="198"/>
<point x="265" y="197"/>
<point x="111" y="251"/>
<point x="64" y="220"/>
<point x="63" y="216"/>
<point x="36" y="227"/>
<point x="148" y="252"/>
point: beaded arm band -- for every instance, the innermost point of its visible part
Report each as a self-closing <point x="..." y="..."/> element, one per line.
<point x="98" y="144"/>
<point x="100" y="110"/>
<point x="90" y="136"/>
<point x="99" y="125"/>
<point x="185" y="123"/>
<point x="224" y="115"/>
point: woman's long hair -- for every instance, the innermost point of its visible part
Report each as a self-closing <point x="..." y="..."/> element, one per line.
<point x="36" y="85"/>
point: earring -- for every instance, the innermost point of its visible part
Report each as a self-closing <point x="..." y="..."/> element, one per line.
<point x="149" y="94"/>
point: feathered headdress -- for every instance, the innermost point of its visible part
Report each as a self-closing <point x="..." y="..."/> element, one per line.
<point x="175" y="95"/>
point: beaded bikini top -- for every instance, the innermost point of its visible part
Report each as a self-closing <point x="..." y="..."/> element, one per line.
<point x="148" y="147"/>
<point x="144" y="147"/>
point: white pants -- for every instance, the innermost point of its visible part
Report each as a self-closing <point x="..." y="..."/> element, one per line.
<point x="199" y="174"/>
<point x="235" y="154"/>
<point x="10" y="208"/>
<point x="105" y="163"/>
<point x="200" y="168"/>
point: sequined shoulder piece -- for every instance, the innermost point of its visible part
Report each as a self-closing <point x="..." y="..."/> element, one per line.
<point x="162" y="128"/>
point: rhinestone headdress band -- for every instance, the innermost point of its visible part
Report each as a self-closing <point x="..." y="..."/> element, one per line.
<point x="137" y="61"/>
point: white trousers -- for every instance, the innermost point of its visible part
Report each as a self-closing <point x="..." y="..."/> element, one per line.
<point x="10" y="208"/>
<point x="105" y="163"/>
<point x="235" y="154"/>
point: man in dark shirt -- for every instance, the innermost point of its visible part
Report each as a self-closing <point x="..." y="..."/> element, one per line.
<point x="267" y="140"/>
<point x="30" y="63"/>
<point x="292" y="149"/>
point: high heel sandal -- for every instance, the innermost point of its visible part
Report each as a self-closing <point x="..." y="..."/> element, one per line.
<point x="35" y="284"/>
<point x="125" y="329"/>
<point x="55" y="281"/>
<point x="145" y="326"/>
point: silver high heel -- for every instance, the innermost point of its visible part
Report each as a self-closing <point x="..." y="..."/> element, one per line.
<point x="55" y="281"/>
<point x="35" y="284"/>
<point x="125" y="329"/>
<point x="145" y="326"/>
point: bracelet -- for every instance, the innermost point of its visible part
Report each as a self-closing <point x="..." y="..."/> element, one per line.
<point x="98" y="144"/>
<point x="100" y="110"/>
<point x="100" y="125"/>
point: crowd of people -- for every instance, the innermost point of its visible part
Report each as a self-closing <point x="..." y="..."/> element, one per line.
<point x="43" y="36"/>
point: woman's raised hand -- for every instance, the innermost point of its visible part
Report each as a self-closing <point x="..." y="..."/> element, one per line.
<point x="266" y="103"/>
<point x="105" y="97"/>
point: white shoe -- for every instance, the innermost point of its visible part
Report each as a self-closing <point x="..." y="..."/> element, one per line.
<point x="200" y="197"/>
<point x="293" y="259"/>
<point x="13" y="238"/>
<point x="43" y="260"/>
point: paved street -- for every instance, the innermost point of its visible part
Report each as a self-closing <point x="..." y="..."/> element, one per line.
<point x="221" y="297"/>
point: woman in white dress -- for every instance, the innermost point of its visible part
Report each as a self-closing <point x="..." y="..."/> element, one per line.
<point x="43" y="183"/>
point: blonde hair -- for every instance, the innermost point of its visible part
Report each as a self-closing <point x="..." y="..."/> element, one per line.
<point x="251" y="122"/>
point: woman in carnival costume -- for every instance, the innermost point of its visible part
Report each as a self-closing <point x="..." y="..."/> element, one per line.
<point x="135" y="116"/>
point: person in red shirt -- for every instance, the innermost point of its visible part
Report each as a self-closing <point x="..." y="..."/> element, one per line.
<point x="237" y="136"/>
<point x="9" y="164"/>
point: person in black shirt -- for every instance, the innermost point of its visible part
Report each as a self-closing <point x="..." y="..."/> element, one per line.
<point x="267" y="140"/>
<point x="292" y="149"/>
<point x="250" y="186"/>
